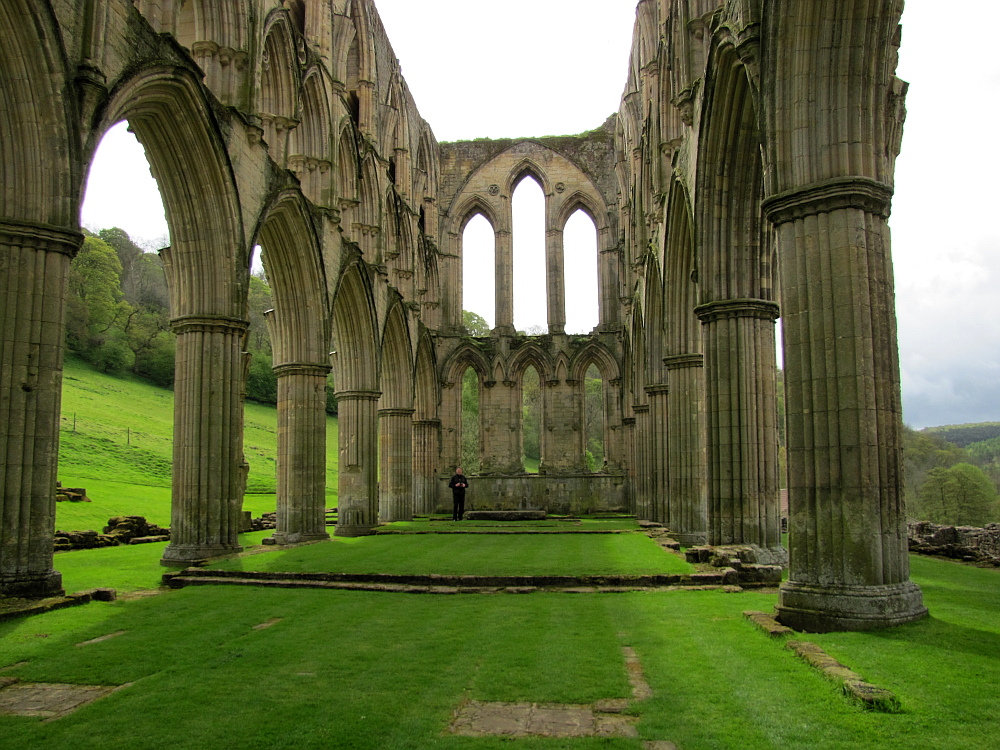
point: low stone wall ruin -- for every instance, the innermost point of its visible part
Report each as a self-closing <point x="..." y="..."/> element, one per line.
<point x="967" y="543"/>
<point x="560" y="494"/>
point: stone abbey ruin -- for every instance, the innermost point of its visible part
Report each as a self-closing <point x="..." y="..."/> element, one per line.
<point x="756" y="141"/>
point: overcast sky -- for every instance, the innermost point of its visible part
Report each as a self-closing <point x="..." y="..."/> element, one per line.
<point x="551" y="67"/>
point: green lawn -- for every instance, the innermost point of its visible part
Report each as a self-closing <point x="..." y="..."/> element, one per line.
<point x="122" y="454"/>
<point x="378" y="670"/>
<point x="456" y="554"/>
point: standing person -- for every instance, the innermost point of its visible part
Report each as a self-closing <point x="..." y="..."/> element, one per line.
<point x="458" y="484"/>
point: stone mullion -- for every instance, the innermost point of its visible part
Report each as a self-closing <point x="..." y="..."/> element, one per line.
<point x="396" y="451"/>
<point x="357" y="512"/>
<point x="741" y="426"/>
<point x="34" y="266"/>
<point x="555" y="277"/>
<point x="658" y="450"/>
<point x="426" y="447"/>
<point x="686" y="467"/>
<point x="209" y="470"/>
<point x="608" y="282"/>
<point x="504" y="270"/>
<point x="301" y="469"/>
<point x="849" y="567"/>
<point x="643" y="479"/>
<point x="500" y="417"/>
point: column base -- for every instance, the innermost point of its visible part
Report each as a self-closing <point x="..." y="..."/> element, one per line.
<point x="282" y="537"/>
<point x="350" y="531"/>
<point x="690" y="540"/>
<point x="815" y="608"/>
<point x="37" y="586"/>
<point x="182" y="555"/>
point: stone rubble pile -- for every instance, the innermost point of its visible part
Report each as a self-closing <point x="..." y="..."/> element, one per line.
<point x="966" y="543"/>
<point x="120" y="530"/>
<point x="71" y="494"/>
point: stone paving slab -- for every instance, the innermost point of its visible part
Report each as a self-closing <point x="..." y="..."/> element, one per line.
<point x="49" y="700"/>
<point x="475" y="718"/>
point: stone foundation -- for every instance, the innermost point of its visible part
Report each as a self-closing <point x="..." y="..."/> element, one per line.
<point x="967" y="543"/>
<point x="559" y="494"/>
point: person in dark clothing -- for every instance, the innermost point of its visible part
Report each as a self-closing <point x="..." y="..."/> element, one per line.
<point x="458" y="484"/>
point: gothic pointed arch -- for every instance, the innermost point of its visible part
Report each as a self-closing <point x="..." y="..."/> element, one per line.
<point x="531" y="354"/>
<point x="38" y="182"/>
<point x="595" y="353"/>
<point x="279" y="86"/>
<point x="591" y="204"/>
<point x="680" y="276"/>
<point x="312" y="158"/>
<point x="356" y="362"/>
<point x="209" y="249"/>
<point x="427" y="389"/>
<point x="526" y="167"/>
<point x="465" y="355"/>
<point x="397" y="360"/>
<point x="295" y="272"/>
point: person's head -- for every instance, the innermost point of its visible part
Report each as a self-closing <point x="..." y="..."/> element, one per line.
<point x="458" y="469"/>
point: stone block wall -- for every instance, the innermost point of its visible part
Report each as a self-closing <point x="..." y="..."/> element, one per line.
<point x="562" y="494"/>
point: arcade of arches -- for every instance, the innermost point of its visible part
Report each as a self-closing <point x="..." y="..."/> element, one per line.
<point x="756" y="139"/>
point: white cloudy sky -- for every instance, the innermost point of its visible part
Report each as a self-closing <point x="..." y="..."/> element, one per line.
<point x="549" y="67"/>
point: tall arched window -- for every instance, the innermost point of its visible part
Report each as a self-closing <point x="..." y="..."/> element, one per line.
<point x="471" y="443"/>
<point x="530" y="289"/>
<point x="580" y="263"/>
<point x="593" y="418"/>
<point x="531" y="420"/>
<point x="479" y="270"/>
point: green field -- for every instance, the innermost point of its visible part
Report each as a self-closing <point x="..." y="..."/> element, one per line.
<point x="115" y="441"/>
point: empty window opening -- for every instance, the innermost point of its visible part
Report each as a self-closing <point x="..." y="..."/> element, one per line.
<point x="580" y="264"/>
<point x="530" y="288"/>
<point x="593" y="418"/>
<point x="479" y="271"/>
<point x="471" y="443"/>
<point x="531" y="421"/>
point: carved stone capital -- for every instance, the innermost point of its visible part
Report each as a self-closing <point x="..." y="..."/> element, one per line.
<point x="208" y="324"/>
<point x="682" y="361"/>
<point x="396" y="412"/>
<point x="657" y="389"/>
<point x="738" y="308"/>
<point x="829" y="195"/>
<point x="40" y="237"/>
<point x="301" y="368"/>
<point x="358" y="395"/>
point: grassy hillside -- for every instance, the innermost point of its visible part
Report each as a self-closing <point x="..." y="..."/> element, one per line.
<point x="966" y="434"/>
<point x="115" y="440"/>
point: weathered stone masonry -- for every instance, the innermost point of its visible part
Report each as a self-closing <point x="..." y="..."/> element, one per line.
<point x="753" y="136"/>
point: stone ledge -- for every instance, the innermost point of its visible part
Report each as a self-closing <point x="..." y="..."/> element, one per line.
<point x="506" y="515"/>
<point x="852" y="684"/>
<point x="768" y="624"/>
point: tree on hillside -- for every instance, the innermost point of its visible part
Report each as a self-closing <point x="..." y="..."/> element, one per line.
<point x="922" y="452"/>
<point x="475" y="325"/>
<point x="96" y="310"/>
<point x="470" y="421"/>
<point x="961" y="495"/>
<point x="593" y="414"/>
<point x="262" y="384"/>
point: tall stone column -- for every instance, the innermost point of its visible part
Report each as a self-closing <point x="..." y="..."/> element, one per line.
<point x="34" y="263"/>
<point x="849" y="566"/>
<point x="426" y="451"/>
<point x="396" y="451"/>
<point x="504" y="269"/>
<point x="555" y="278"/>
<point x="301" y="467"/>
<point x="563" y="438"/>
<point x="643" y="481"/>
<point x="499" y="412"/>
<point x="688" y="510"/>
<point x="357" y="512"/>
<point x="608" y="282"/>
<point x="209" y="473"/>
<point x="659" y="419"/>
<point x="628" y="461"/>
<point x="742" y="449"/>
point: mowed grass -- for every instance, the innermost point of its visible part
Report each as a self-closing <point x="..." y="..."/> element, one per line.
<point x="116" y="441"/>
<point x="376" y="670"/>
<point x="479" y="554"/>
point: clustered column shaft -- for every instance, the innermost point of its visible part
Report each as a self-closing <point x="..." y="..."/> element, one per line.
<point x="741" y="408"/>
<point x="849" y="567"/>
<point x="426" y="445"/>
<point x="301" y="470"/>
<point x="641" y="478"/>
<point x="34" y="264"/>
<point x="357" y="513"/>
<point x="209" y="475"/>
<point x="396" y="449"/>
<point x="658" y="448"/>
<point x="688" y="512"/>
<point x="504" y="263"/>
<point x="555" y="279"/>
